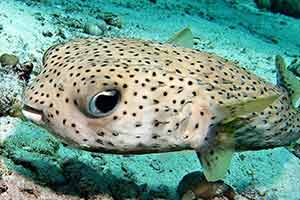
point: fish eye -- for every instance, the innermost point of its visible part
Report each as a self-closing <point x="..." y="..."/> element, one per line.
<point x="103" y="103"/>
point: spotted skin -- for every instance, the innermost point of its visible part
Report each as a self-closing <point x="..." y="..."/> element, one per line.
<point x="169" y="98"/>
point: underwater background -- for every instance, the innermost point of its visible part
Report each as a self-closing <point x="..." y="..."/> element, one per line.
<point x="35" y="165"/>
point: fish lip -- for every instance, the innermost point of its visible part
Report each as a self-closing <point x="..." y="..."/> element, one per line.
<point x="33" y="114"/>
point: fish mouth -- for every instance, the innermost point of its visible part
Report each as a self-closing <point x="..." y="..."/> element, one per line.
<point x="134" y="151"/>
<point x="33" y="114"/>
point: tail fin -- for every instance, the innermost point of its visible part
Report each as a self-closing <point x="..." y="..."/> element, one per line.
<point x="287" y="79"/>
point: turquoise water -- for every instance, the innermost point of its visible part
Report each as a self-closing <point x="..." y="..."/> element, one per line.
<point x="236" y="30"/>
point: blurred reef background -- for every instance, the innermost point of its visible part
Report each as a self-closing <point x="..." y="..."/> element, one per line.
<point x="35" y="165"/>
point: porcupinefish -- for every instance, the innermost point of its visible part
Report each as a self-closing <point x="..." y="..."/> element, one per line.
<point x="129" y="96"/>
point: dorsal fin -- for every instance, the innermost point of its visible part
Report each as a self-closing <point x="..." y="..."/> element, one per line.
<point x="182" y="38"/>
<point x="288" y="80"/>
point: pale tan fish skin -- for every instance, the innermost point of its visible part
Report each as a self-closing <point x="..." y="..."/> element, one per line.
<point x="168" y="97"/>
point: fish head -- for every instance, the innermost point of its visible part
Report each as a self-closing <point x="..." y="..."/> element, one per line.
<point x="119" y="108"/>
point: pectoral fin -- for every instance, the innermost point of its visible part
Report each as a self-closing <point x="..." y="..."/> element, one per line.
<point x="182" y="38"/>
<point x="216" y="162"/>
<point x="216" y="158"/>
<point x="288" y="80"/>
<point x="235" y="110"/>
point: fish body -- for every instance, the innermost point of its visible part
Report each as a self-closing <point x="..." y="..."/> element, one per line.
<point x="132" y="96"/>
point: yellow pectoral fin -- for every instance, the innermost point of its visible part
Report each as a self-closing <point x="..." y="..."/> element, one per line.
<point x="216" y="159"/>
<point x="182" y="38"/>
<point x="235" y="110"/>
<point x="216" y="162"/>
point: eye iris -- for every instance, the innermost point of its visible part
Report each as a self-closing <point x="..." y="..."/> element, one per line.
<point x="107" y="102"/>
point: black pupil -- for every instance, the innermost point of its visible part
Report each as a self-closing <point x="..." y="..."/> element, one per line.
<point x="105" y="103"/>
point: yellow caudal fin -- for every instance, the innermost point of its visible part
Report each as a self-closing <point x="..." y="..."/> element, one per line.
<point x="287" y="79"/>
<point x="182" y="38"/>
